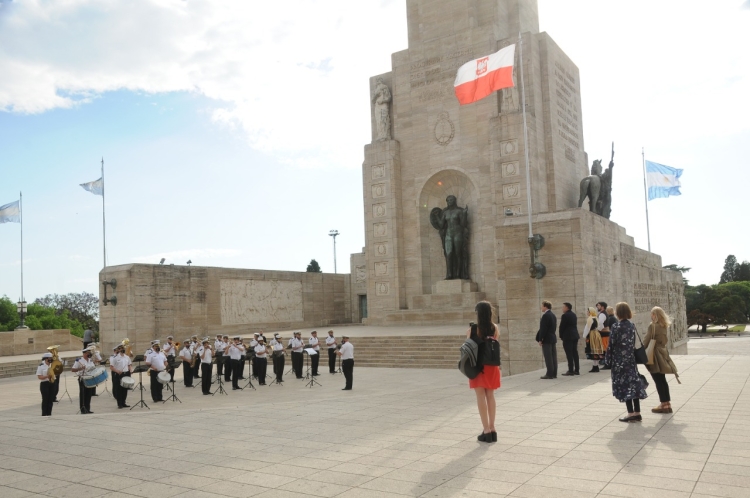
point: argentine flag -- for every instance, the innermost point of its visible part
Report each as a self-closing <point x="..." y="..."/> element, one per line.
<point x="96" y="187"/>
<point x="663" y="181"/>
<point x="10" y="213"/>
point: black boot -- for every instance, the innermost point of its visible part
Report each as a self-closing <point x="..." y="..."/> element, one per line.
<point x="594" y="369"/>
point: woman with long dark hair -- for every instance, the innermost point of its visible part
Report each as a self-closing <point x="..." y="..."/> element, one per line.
<point x="628" y="384"/>
<point x="488" y="380"/>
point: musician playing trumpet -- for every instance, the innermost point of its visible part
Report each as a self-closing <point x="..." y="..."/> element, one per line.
<point x="186" y="354"/>
<point x="43" y="373"/>
<point x="206" y="367"/>
<point x="236" y="350"/>
<point x="277" y="346"/>
<point x="261" y="361"/>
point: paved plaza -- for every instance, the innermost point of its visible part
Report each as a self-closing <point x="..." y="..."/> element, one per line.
<point x="399" y="432"/>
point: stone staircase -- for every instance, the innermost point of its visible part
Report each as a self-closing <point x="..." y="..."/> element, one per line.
<point x="26" y="365"/>
<point x="407" y="351"/>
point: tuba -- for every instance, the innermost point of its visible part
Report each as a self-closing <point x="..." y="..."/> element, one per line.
<point x="128" y="348"/>
<point x="56" y="367"/>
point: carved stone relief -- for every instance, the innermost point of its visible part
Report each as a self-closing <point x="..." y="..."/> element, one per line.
<point x="511" y="190"/>
<point x="379" y="210"/>
<point x="260" y="301"/>
<point x="360" y="274"/>
<point x="378" y="171"/>
<point x="444" y="129"/>
<point x="510" y="169"/>
<point x="381" y="249"/>
<point x="508" y="147"/>
<point x="381" y="268"/>
<point x="382" y="288"/>
<point x="515" y="209"/>
<point x="380" y="229"/>
<point x="378" y="190"/>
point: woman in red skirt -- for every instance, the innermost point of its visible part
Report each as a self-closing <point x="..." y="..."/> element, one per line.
<point x="488" y="380"/>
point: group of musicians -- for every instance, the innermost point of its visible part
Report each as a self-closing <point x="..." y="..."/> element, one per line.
<point x="198" y="357"/>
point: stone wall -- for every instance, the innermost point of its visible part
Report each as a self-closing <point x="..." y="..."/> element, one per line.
<point x="154" y="301"/>
<point x="21" y="342"/>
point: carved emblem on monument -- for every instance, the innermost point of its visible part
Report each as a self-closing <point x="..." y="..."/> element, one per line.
<point x="380" y="229"/>
<point x="444" y="129"/>
<point x="378" y="190"/>
<point x="382" y="288"/>
<point x="381" y="249"/>
<point x="378" y="171"/>
<point x="453" y="225"/>
<point x="381" y="268"/>
<point x="378" y="210"/>
<point x="510" y="169"/>
<point x="508" y="147"/>
<point x="511" y="190"/>
<point x="360" y="274"/>
<point x="382" y="100"/>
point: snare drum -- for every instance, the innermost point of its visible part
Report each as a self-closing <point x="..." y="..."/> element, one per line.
<point x="95" y="377"/>
<point x="127" y="383"/>
<point x="164" y="377"/>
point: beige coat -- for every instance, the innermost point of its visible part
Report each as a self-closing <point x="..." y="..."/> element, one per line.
<point x="662" y="362"/>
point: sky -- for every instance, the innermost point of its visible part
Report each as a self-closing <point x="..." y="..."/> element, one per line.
<point x="232" y="132"/>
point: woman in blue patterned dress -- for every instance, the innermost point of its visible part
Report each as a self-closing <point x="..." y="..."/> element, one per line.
<point x="627" y="384"/>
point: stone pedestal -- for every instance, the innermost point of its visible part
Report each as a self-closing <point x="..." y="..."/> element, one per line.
<point x="454" y="287"/>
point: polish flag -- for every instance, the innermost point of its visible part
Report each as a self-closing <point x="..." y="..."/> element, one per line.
<point x="479" y="78"/>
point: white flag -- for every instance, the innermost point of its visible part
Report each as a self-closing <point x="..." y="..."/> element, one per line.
<point x="10" y="213"/>
<point x="96" y="187"/>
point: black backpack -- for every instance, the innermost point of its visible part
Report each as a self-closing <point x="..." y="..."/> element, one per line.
<point x="489" y="349"/>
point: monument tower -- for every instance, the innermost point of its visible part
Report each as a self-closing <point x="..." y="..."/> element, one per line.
<point x="426" y="148"/>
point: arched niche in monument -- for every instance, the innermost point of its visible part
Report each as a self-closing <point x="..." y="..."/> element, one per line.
<point x="433" y="194"/>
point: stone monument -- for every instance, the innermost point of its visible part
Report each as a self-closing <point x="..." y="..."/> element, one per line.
<point x="425" y="148"/>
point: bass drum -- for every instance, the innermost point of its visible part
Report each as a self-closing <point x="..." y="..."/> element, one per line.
<point x="95" y="377"/>
<point x="164" y="377"/>
<point x="127" y="383"/>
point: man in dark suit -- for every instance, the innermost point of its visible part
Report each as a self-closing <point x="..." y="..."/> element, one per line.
<point x="547" y="339"/>
<point x="569" y="337"/>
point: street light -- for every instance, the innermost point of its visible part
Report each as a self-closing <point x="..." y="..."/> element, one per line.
<point x="21" y="308"/>
<point x="334" y="233"/>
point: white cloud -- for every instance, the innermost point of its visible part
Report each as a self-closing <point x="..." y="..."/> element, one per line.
<point x="292" y="75"/>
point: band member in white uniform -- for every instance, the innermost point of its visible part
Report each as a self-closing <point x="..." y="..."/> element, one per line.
<point x="170" y="351"/>
<point x="251" y="354"/>
<point x="261" y="361"/>
<point x="45" y="387"/>
<point x="206" y="366"/>
<point x="79" y="368"/>
<point x="315" y="358"/>
<point x="297" y="346"/>
<point x="112" y="374"/>
<point x="278" y="357"/>
<point x="235" y="353"/>
<point x="158" y="363"/>
<point x="347" y="361"/>
<point x="97" y="359"/>
<point x="122" y="366"/>
<point x="331" y="344"/>
<point x="219" y="346"/>
<point x="186" y="355"/>
<point x="197" y="347"/>
<point x="227" y="361"/>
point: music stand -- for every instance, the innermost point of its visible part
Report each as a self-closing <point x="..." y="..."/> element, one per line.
<point x="138" y="359"/>
<point x="308" y="375"/>
<point x="173" y="397"/>
<point x="139" y="370"/>
<point x="220" y="360"/>
<point x="249" y="383"/>
<point x="219" y="354"/>
<point x="65" y="379"/>
<point x="339" y="371"/>
<point x="106" y="389"/>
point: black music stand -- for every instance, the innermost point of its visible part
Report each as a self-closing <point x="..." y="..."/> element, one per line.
<point x="138" y="359"/>
<point x="339" y="371"/>
<point x="139" y="370"/>
<point x="220" y="360"/>
<point x="308" y="375"/>
<point x="65" y="379"/>
<point x="218" y="355"/>
<point x="173" y="397"/>
<point x="249" y="383"/>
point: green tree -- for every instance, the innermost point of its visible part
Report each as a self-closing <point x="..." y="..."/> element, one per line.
<point x="314" y="267"/>
<point x="9" y="319"/>
<point x="82" y="307"/>
<point x="682" y="269"/>
<point x="731" y="268"/>
<point x="743" y="272"/>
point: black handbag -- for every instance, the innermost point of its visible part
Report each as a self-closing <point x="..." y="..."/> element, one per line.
<point x="641" y="357"/>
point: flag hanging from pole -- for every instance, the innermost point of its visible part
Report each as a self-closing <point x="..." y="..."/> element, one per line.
<point x="663" y="181"/>
<point x="481" y="77"/>
<point x="10" y="213"/>
<point x="96" y="187"/>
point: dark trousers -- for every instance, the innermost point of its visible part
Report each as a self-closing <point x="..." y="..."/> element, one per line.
<point x="550" y="358"/>
<point x="122" y="393"/>
<point x="228" y="369"/>
<point x="347" y="366"/>
<point x="219" y="365"/>
<point x="84" y="397"/>
<point x="206" y="369"/>
<point x="197" y="368"/>
<point x="261" y="365"/>
<point x="170" y="360"/>
<point x="115" y="384"/>
<point x="662" y="387"/>
<point x="633" y="405"/>
<point x="332" y="360"/>
<point x="236" y="368"/>
<point x="571" y="353"/>
<point x="315" y="360"/>
<point x="241" y="374"/>
<point x="156" y="387"/>
<point x="46" y="389"/>
<point x="297" y="361"/>
<point x="278" y="367"/>
<point x="187" y="373"/>
<point x="55" y="388"/>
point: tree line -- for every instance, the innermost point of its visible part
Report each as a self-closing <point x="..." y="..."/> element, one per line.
<point x="74" y="311"/>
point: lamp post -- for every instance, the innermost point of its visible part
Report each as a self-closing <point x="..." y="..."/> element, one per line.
<point x="334" y="233"/>
<point x="21" y="308"/>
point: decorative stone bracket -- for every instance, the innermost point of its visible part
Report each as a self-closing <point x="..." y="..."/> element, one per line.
<point x="112" y="283"/>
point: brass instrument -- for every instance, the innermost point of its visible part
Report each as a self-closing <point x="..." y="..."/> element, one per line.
<point x="128" y="348"/>
<point x="195" y="355"/>
<point x="56" y="367"/>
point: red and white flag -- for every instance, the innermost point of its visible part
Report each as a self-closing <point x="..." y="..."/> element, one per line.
<point x="479" y="78"/>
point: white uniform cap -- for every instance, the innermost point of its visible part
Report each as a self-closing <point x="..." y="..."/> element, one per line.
<point x="47" y="355"/>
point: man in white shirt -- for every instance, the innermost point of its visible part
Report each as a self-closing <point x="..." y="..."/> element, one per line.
<point x="277" y="345"/>
<point x="236" y="350"/>
<point x="112" y="374"/>
<point x="186" y="354"/>
<point x="297" y="347"/>
<point x="261" y="361"/>
<point x="251" y="354"/>
<point x="347" y="361"/>
<point x="197" y="347"/>
<point x="219" y="346"/>
<point x="122" y="367"/>
<point x="206" y="366"/>
<point x="158" y="363"/>
<point x="227" y="361"/>
<point x="79" y="368"/>
<point x="331" y="344"/>
<point x="315" y="358"/>
<point x="45" y="387"/>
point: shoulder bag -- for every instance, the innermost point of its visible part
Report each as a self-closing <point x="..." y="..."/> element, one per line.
<point x="640" y="352"/>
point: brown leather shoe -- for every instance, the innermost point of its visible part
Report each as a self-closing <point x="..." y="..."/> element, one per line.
<point x="659" y="409"/>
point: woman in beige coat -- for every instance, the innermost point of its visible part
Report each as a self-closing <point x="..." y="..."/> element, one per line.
<point x="662" y="364"/>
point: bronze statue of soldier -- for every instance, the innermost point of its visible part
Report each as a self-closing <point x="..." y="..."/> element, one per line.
<point x="453" y="225"/>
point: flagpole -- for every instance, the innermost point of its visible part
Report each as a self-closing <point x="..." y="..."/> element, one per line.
<point x="104" y="222"/>
<point x="525" y="134"/>
<point x="20" y="202"/>
<point x="645" y="196"/>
